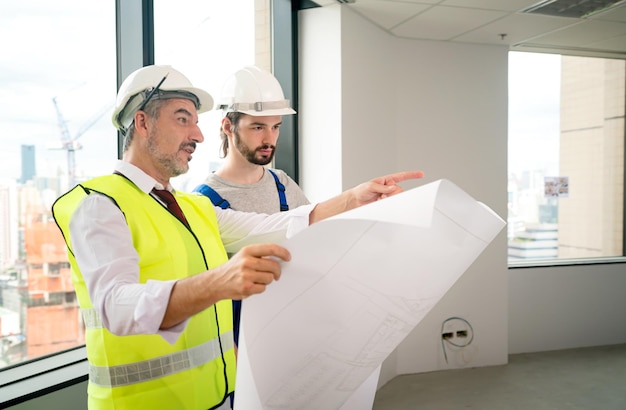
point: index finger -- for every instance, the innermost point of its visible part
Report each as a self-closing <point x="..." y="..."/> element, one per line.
<point x="268" y="249"/>
<point x="402" y="176"/>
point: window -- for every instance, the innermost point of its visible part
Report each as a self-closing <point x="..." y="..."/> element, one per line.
<point x="58" y="92"/>
<point x="208" y="45"/>
<point x="566" y="157"/>
<point x="57" y="97"/>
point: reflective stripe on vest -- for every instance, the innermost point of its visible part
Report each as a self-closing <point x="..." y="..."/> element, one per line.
<point x="91" y="318"/>
<point x="159" y="367"/>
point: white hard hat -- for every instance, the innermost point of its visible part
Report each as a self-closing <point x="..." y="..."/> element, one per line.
<point x="255" y="92"/>
<point x="142" y="83"/>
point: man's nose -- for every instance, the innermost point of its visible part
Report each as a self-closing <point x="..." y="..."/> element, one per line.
<point x="197" y="135"/>
<point x="270" y="136"/>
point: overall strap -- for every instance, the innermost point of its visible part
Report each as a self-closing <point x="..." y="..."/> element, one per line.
<point x="216" y="198"/>
<point x="281" y="192"/>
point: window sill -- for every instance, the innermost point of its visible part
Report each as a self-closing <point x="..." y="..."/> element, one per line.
<point x="33" y="379"/>
<point x="539" y="263"/>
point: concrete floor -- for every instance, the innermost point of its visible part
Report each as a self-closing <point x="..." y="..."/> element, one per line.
<point x="588" y="378"/>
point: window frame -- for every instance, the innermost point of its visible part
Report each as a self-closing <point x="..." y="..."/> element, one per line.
<point x="284" y="34"/>
<point x="26" y="381"/>
<point x="564" y="262"/>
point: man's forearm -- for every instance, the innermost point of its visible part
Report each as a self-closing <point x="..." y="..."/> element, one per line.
<point x="189" y="296"/>
<point x="334" y="206"/>
<point x="363" y="194"/>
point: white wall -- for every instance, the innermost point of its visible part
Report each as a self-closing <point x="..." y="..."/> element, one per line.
<point x="554" y="308"/>
<point x="432" y="106"/>
<point x="441" y="107"/>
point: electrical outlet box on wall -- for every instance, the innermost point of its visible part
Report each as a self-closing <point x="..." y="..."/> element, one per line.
<point x="458" y="328"/>
<point x="457" y="337"/>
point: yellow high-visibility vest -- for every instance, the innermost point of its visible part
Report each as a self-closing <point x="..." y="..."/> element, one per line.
<point x="145" y="371"/>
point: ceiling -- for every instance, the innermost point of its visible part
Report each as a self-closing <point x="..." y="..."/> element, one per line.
<point x="505" y="22"/>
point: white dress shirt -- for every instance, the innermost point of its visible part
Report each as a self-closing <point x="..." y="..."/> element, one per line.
<point x="109" y="263"/>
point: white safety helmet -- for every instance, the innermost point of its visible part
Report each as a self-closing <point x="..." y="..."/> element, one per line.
<point x="154" y="82"/>
<point x="255" y="92"/>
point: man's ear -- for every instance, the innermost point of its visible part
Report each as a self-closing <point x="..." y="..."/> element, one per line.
<point x="141" y="122"/>
<point x="227" y="126"/>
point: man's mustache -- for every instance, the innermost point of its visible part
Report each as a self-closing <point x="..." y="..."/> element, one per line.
<point x="188" y="144"/>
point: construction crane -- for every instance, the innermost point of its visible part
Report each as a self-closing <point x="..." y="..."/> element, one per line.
<point x="70" y="143"/>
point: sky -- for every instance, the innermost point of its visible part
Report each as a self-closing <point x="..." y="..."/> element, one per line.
<point x="534" y="111"/>
<point x="66" y="50"/>
<point x="54" y="52"/>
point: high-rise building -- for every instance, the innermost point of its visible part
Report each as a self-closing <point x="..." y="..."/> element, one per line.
<point x="8" y="223"/>
<point x="592" y="156"/>
<point x="52" y="317"/>
<point x="28" y="163"/>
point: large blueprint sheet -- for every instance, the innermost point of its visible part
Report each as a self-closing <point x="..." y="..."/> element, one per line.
<point x="356" y="286"/>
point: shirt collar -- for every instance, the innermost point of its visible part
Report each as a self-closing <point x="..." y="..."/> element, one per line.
<point x="138" y="177"/>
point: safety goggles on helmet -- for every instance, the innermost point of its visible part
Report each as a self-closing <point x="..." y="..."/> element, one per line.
<point x="142" y="98"/>
<point x="154" y="82"/>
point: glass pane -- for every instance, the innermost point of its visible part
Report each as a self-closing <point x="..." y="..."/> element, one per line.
<point x="57" y="70"/>
<point x="207" y="45"/>
<point x="566" y="157"/>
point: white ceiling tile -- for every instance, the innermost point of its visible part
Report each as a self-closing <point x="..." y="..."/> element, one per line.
<point x="443" y="23"/>
<point x="615" y="14"/>
<point x="582" y="34"/>
<point x="505" y="5"/>
<point x="387" y="14"/>
<point x="613" y="44"/>
<point x="517" y="27"/>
